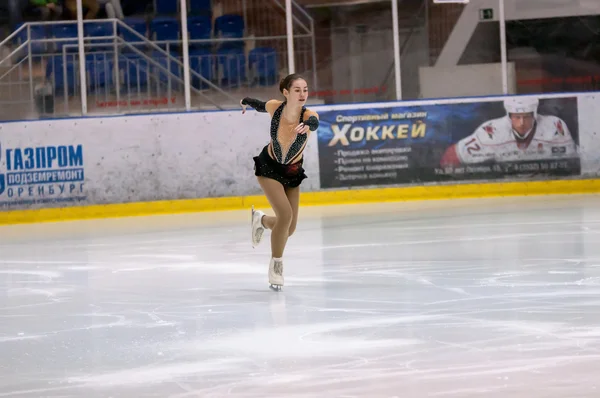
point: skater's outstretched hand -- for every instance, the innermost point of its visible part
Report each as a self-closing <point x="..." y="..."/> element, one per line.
<point x="243" y="106"/>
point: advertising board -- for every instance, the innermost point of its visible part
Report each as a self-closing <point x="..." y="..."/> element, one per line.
<point x="512" y="138"/>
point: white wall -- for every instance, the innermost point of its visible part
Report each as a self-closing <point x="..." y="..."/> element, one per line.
<point x="514" y="10"/>
<point x="194" y="155"/>
<point x="483" y="79"/>
<point x="532" y="9"/>
<point x="145" y="158"/>
<point x="590" y="140"/>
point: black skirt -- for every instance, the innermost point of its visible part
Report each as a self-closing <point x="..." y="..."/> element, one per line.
<point x="289" y="175"/>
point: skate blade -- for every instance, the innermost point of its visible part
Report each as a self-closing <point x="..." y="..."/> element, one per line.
<point x="276" y="288"/>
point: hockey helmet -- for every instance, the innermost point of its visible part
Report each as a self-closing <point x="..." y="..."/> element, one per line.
<point x="521" y="105"/>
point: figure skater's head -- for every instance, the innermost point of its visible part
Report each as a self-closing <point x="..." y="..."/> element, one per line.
<point x="295" y="89"/>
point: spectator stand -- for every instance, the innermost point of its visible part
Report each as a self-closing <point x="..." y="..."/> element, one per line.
<point x="136" y="64"/>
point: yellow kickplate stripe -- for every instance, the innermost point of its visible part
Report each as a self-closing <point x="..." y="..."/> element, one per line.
<point x="348" y="196"/>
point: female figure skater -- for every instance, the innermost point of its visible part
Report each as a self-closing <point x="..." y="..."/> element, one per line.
<point x="278" y="167"/>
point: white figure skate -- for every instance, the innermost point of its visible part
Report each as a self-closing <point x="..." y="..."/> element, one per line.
<point x="276" y="274"/>
<point x="257" y="227"/>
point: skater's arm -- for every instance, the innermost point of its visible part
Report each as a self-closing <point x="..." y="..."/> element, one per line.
<point x="258" y="105"/>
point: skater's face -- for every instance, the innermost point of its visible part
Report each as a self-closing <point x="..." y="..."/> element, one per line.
<point x="522" y="122"/>
<point x="298" y="92"/>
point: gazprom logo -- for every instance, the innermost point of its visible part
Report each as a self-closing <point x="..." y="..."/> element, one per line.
<point x="54" y="169"/>
<point x="48" y="157"/>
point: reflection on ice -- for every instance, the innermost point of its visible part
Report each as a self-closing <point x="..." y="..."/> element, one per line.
<point x="494" y="298"/>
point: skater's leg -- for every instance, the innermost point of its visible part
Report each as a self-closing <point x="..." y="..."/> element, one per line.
<point x="269" y="221"/>
<point x="293" y="195"/>
<point x="278" y="200"/>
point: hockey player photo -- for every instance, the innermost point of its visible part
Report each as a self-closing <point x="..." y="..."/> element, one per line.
<point x="522" y="135"/>
<point x="500" y="138"/>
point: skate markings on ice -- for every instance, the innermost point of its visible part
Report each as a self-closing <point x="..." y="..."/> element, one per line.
<point x="376" y="300"/>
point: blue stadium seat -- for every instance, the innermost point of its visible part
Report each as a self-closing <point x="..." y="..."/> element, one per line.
<point x="138" y="25"/>
<point x="38" y="32"/>
<point x="200" y="28"/>
<point x="229" y="26"/>
<point x="65" y="31"/>
<point x="55" y="74"/>
<point x="175" y="69"/>
<point x="99" y="70"/>
<point x="165" y="7"/>
<point x="264" y="61"/>
<point x="135" y="69"/>
<point x="201" y="61"/>
<point x="98" y="29"/>
<point x="201" y="7"/>
<point x="164" y="29"/>
<point x="21" y="36"/>
<point x="231" y="63"/>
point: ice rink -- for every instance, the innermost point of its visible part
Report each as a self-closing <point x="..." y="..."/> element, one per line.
<point x="468" y="298"/>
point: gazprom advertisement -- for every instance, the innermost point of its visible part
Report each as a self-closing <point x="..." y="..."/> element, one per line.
<point x="41" y="175"/>
<point x="509" y="138"/>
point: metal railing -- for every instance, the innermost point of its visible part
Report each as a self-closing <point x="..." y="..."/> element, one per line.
<point x="41" y="75"/>
<point x="420" y="18"/>
<point x="302" y="20"/>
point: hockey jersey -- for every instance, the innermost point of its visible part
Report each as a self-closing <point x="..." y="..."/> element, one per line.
<point x="495" y="141"/>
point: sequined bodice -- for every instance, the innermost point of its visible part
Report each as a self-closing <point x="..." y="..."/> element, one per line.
<point x="286" y="143"/>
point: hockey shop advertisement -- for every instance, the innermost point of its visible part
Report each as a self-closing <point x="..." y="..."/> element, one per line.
<point x="517" y="137"/>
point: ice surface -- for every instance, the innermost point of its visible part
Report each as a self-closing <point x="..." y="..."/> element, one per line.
<point x="473" y="298"/>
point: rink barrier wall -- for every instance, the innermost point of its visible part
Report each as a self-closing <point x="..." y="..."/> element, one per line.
<point x="202" y="161"/>
<point x="341" y="197"/>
